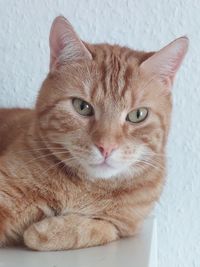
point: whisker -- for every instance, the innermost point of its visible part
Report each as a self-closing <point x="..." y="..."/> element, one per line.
<point x="40" y="149"/>
<point x="57" y="164"/>
<point x="149" y="164"/>
<point x="79" y="149"/>
<point x="44" y="156"/>
<point x="46" y="140"/>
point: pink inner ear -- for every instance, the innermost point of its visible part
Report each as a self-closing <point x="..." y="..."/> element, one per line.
<point x="55" y="40"/>
<point x="165" y="63"/>
<point x="65" y="45"/>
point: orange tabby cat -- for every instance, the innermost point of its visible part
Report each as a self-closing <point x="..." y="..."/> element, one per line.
<point x="86" y="166"/>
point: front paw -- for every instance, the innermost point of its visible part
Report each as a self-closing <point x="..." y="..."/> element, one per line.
<point x="36" y="236"/>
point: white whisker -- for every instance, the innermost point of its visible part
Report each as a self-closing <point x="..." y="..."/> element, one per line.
<point x="57" y="164"/>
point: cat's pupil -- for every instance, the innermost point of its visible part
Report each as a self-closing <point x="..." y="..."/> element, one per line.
<point x="138" y="114"/>
<point x="83" y="106"/>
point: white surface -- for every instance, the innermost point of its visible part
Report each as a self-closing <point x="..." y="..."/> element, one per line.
<point x="153" y="261"/>
<point x="129" y="252"/>
<point x="144" y="24"/>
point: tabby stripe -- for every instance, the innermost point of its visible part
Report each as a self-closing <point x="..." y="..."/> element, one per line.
<point x="127" y="76"/>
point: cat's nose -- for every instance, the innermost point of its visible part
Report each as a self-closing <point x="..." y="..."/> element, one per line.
<point x="106" y="150"/>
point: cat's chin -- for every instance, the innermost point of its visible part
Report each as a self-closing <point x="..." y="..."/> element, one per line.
<point x="102" y="171"/>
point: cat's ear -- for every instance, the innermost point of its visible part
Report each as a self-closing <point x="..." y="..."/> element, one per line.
<point x="165" y="63"/>
<point x="65" y="45"/>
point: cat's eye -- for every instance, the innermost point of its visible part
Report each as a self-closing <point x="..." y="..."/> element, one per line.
<point x="82" y="107"/>
<point x="137" y="115"/>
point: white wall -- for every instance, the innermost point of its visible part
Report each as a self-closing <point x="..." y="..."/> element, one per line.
<point x="144" y="24"/>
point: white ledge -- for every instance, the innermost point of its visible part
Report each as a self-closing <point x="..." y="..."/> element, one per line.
<point x="139" y="251"/>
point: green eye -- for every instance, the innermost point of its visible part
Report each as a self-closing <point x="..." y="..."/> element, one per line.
<point x="82" y="107"/>
<point x="137" y="115"/>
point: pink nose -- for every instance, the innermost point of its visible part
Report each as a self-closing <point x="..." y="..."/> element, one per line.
<point x="106" y="150"/>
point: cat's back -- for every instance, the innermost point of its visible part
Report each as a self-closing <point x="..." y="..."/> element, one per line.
<point x="12" y="123"/>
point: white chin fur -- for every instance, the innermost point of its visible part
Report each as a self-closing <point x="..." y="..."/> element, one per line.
<point x="102" y="172"/>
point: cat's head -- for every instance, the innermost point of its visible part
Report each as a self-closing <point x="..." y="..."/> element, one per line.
<point x="105" y="109"/>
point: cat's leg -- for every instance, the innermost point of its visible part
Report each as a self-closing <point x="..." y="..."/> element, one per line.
<point x="4" y="224"/>
<point x="69" y="232"/>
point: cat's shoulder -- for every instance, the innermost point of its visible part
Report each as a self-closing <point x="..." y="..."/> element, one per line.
<point x="12" y="122"/>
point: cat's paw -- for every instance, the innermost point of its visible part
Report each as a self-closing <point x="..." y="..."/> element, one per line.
<point x="36" y="236"/>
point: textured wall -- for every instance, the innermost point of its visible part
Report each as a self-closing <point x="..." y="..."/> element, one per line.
<point x="148" y="25"/>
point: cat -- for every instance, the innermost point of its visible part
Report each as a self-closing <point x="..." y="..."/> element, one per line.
<point x="86" y="166"/>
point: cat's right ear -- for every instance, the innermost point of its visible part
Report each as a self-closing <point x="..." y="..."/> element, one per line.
<point x="164" y="64"/>
<point x="65" y="45"/>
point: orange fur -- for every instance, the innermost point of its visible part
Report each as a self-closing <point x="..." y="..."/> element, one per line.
<point x="47" y="198"/>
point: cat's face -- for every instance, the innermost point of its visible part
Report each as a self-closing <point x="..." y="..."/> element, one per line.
<point x="104" y="113"/>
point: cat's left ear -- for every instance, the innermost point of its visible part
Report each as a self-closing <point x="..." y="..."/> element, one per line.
<point x="164" y="64"/>
<point x="65" y="45"/>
